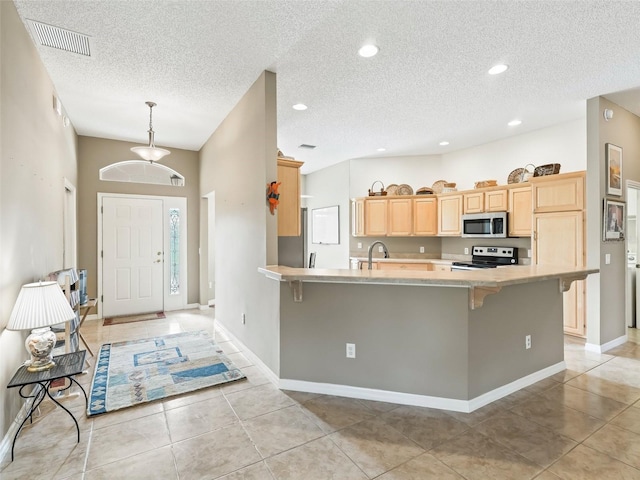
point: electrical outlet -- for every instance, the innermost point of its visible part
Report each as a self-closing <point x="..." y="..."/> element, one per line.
<point x="421" y="249"/>
<point x="351" y="350"/>
<point x="244" y="318"/>
<point x="380" y="249"/>
<point x="529" y="252"/>
<point x="527" y="342"/>
<point x="607" y="258"/>
<point x="359" y="245"/>
<point x="466" y="251"/>
<point x="210" y="284"/>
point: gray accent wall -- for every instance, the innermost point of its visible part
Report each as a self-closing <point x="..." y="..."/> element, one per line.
<point x="606" y="308"/>
<point x="96" y="153"/>
<point x="422" y="340"/>
<point x="37" y="154"/>
<point x="236" y="165"/>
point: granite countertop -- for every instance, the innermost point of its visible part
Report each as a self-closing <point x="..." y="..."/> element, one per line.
<point x="490" y="278"/>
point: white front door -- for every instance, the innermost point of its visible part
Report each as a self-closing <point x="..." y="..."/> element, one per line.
<point x="132" y="249"/>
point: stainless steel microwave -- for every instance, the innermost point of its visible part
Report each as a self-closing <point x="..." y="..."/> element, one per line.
<point x="487" y="225"/>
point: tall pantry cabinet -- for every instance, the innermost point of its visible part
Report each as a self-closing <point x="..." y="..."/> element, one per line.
<point x="559" y="236"/>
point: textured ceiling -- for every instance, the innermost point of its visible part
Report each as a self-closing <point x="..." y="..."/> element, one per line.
<point x="429" y="82"/>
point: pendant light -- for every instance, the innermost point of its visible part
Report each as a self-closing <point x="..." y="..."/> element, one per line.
<point x="150" y="153"/>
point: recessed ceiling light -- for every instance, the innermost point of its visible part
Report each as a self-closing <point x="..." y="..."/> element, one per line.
<point x="382" y="149"/>
<point x="496" y="69"/>
<point x="514" y="123"/>
<point x="444" y="144"/>
<point x="299" y="106"/>
<point x="369" y="50"/>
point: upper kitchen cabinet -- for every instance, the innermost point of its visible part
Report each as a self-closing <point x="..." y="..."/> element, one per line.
<point x="449" y="214"/>
<point x="375" y="217"/>
<point x="425" y="216"/>
<point x="289" y="206"/>
<point x="400" y="217"/>
<point x="485" y="201"/>
<point x="520" y="211"/>
<point x="558" y="193"/>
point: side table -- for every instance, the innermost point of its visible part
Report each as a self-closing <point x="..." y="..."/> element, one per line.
<point x="67" y="366"/>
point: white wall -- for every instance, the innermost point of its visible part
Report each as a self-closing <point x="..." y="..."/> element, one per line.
<point x="565" y="143"/>
<point x="415" y="171"/>
<point x="330" y="186"/>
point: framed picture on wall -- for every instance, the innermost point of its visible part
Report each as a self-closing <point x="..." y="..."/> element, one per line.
<point x="614" y="169"/>
<point x="613" y="220"/>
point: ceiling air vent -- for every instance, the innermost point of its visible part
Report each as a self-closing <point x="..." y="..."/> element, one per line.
<point x="62" y="39"/>
<point x="304" y="145"/>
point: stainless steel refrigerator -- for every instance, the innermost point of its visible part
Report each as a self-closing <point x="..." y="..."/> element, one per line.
<point x="292" y="251"/>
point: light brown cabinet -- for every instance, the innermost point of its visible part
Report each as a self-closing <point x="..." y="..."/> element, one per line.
<point x="441" y="268"/>
<point x="520" y="211"/>
<point x="425" y="216"/>
<point x="485" y="201"/>
<point x="558" y="193"/>
<point x="559" y="236"/>
<point x="375" y="217"/>
<point x="404" y="266"/>
<point x="400" y="214"/>
<point x="449" y="215"/>
<point x="473" y="202"/>
<point x="289" y="205"/>
<point x="495" y="200"/>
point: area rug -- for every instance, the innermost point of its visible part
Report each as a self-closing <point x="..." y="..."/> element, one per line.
<point x="132" y="318"/>
<point x="139" y="371"/>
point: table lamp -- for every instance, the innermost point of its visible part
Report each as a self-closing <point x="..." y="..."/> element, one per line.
<point x="40" y="305"/>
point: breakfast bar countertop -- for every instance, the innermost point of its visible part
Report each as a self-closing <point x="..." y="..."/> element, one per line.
<point x="491" y="277"/>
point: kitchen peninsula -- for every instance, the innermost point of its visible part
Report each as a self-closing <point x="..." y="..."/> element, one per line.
<point x="450" y="340"/>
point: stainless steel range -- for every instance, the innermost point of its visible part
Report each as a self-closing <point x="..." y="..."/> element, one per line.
<point x="488" y="257"/>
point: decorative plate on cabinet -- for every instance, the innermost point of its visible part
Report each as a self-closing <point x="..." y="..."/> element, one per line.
<point x="404" y="189"/>
<point x="392" y="189"/>
<point x="438" y="185"/>
<point x="516" y="176"/>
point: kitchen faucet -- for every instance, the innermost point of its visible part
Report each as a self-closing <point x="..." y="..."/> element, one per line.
<point x="384" y="248"/>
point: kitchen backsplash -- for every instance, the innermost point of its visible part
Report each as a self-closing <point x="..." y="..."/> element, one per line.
<point x="437" y="247"/>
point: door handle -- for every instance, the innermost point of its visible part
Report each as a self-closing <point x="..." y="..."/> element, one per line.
<point x="159" y="253"/>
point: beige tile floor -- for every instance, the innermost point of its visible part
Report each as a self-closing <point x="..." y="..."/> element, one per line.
<point x="583" y="423"/>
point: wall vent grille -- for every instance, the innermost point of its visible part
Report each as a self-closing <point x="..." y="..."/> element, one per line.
<point x="56" y="37"/>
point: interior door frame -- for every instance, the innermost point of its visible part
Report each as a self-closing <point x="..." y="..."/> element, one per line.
<point x="627" y="288"/>
<point x="171" y="302"/>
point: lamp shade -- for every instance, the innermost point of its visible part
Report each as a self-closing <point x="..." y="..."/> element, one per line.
<point x="40" y="304"/>
<point x="150" y="153"/>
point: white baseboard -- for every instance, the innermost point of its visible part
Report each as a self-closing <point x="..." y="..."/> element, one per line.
<point x="253" y="358"/>
<point x="455" y="405"/>
<point x="592" y="347"/>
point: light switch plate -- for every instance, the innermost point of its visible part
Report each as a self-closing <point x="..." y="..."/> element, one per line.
<point x="421" y="249"/>
<point x="607" y="258"/>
